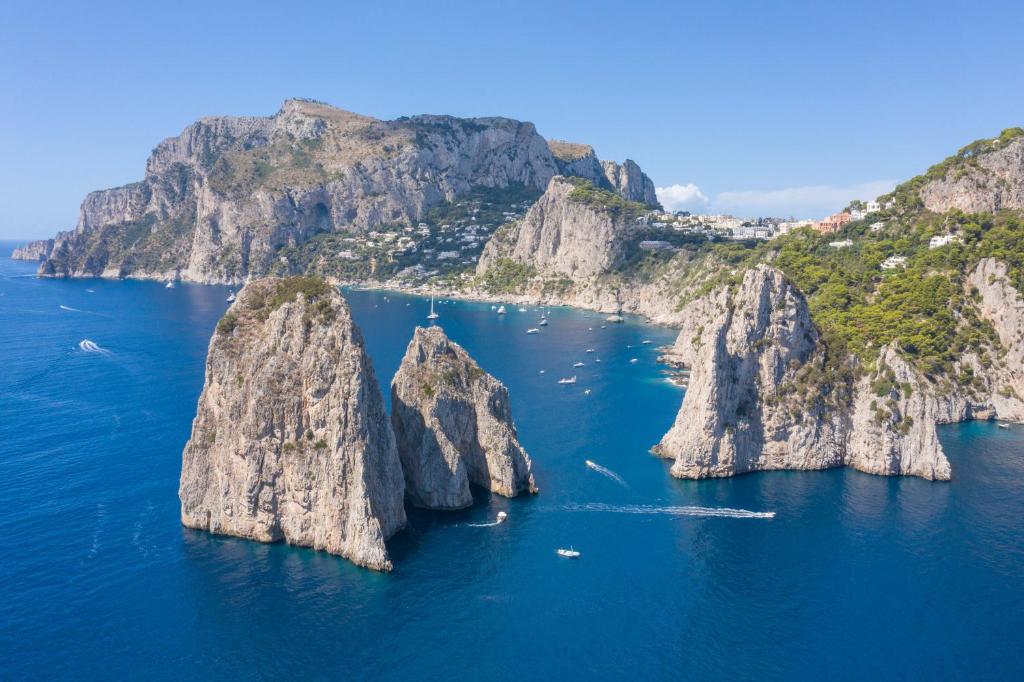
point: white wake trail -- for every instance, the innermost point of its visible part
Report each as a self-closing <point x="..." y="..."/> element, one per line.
<point x="92" y="347"/>
<point x="724" y="512"/>
<point x="605" y="471"/>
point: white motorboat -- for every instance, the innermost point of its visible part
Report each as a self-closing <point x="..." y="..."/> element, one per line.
<point x="169" y="285"/>
<point x="567" y="553"/>
<point x="501" y="517"/>
<point x="614" y="318"/>
<point x="578" y="364"/>
<point x="645" y="341"/>
<point x="532" y="330"/>
<point x="586" y="392"/>
<point x="597" y="359"/>
<point x="633" y="361"/>
<point x="433" y="315"/>
<point x="543" y="322"/>
<point x="493" y="307"/>
<point x="590" y="350"/>
<point x="1004" y="425"/>
<point x="501" y="310"/>
<point x="542" y="371"/>
<point x="569" y="380"/>
<point x="522" y="310"/>
<point x="231" y="297"/>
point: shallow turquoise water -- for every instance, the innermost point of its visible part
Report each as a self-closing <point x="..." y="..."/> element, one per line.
<point x="856" y="576"/>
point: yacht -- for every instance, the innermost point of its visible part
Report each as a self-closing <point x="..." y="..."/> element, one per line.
<point x="501" y="517"/>
<point x="432" y="315"/>
<point x="568" y="553"/>
<point x="231" y="297"/>
<point x="1004" y="425"/>
<point x="532" y="330"/>
<point x="645" y="341"/>
<point x="543" y="322"/>
<point x="570" y="380"/>
<point x="590" y="350"/>
<point x="501" y="310"/>
<point x="578" y="364"/>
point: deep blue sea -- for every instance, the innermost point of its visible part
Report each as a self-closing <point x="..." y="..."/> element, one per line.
<point x="856" y="576"/>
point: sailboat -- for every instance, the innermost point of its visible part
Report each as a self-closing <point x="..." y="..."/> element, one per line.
<point x="432" y="315"/>
<point x="567" y="553"/>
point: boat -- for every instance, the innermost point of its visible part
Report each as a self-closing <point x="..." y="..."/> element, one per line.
<point x="645" y="341"/>
<point x="522" y="310"/>
<point x="604" y="326"/>
<point x="567" y="553"/>
<point x="532" y="330"/>
<point x="577" y="364"/>
<point x="633" y="361"/>
<point x="493" y="307"/>
<point x="169" y="285"/>
<point x="501" y="310"/>
<point x="542" y="371"/>
<point x="1004" y="425"/>
<point x="543" y="322"/>
<point x="590" y="350"/>
<point x="586" y="392"/>
<point x="231" y="297"/>
<point x="432" y="315"/>
<point x="597" y="359"/>
<point x="614" y="318"/>
<point x="570" y="380"/>
<point x="501" y="517"/>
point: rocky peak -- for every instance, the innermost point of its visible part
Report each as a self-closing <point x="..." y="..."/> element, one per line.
<point x="291" y="441"/>
<point x="762" y="396"/>
<point x="985" y="176"/>
<point x="631" y="183"/>
<point x="575" y="229"/>
<point x="453" y="425"/>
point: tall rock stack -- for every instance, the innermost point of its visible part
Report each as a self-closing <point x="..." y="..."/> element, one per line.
<point x="291" y="440"/>
<point x="453" y="425"/>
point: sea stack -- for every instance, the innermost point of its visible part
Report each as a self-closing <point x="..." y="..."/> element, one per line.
<point x="291" y="440"/>
<point x="453" y="425"/>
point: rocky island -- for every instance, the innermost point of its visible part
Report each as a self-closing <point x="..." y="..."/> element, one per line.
<point x="291" y="440"/>
<point x="842" y="346"/>
<point x="453" y="425"/>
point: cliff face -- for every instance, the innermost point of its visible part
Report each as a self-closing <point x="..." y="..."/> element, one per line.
<point x="626" y="179"/>
<point x="291" y="441"/>
<point x="221" y="199"/>
<point x="560" y="235"/>
<point x="37" y="251"/>
<point x="760" y="395"/>
<point x="453" y="425"/>
<point x="744" y="409"/>
<point x="987" y="179"/>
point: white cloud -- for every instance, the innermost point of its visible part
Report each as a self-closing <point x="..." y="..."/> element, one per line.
<point x="813" y="201"/>
<point x="682" y="197"/>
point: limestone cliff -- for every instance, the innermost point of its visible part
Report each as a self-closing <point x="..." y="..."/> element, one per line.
<point x="291" y="441"/>
<point x="453" y="425"/>
<point x="764" y="396"/>
<point x="985" y="176"/>
<point x="564" y="235"/>
<point x="626" y="179"/>
<point x="219" y="201"/>
<point x="38" y="250"/>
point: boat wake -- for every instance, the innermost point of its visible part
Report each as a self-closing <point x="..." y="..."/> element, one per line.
<point x="604" y="471"/>
<point x="92" y="347"/>
<point x="501" y="519"/>
<point x="725" y="512"/>
<point x="84" y="312"/>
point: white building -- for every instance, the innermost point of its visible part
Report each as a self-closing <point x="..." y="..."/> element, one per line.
<point x="942" y="240"/>
<point x="893" y="262"/>
<point x="841" y="244"/>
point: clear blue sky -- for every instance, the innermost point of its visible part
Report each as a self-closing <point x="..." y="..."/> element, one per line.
<point x="760" y="105"/>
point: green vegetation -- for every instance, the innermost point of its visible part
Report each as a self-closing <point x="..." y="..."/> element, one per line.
<point x="585" y="192"/>
<point x="316" y="291"/>
<point x="906" y="196"/>
<point x="506" y="276"/>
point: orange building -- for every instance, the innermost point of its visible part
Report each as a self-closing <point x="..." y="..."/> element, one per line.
<point x="833" y="223"/>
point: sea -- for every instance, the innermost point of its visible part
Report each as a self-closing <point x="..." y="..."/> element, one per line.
<point x="833" y="575"/>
